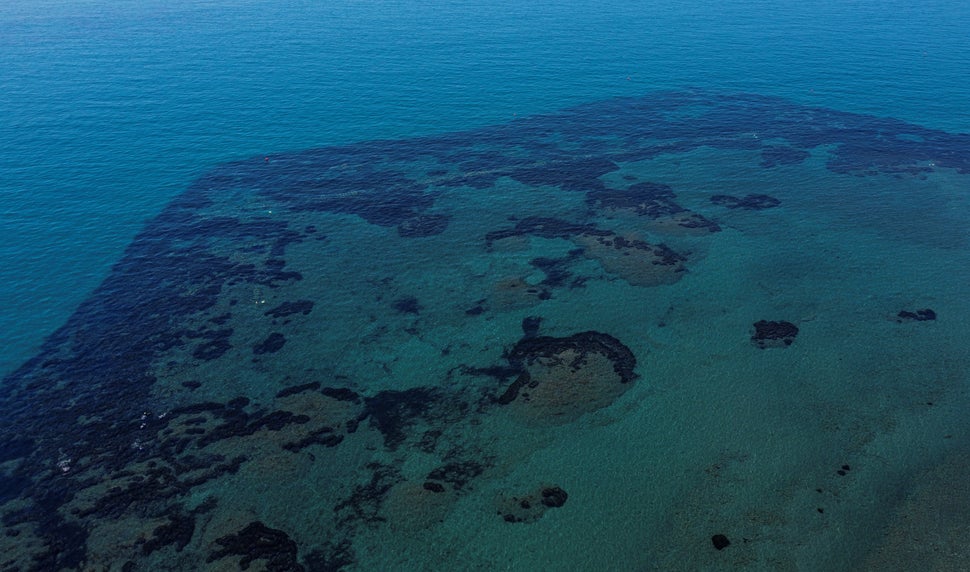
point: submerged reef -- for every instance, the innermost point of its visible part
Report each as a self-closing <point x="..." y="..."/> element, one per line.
<point x="636" y="261"/>
<point x="917" y="316"/>
<point x="755" y="202"/>
<point x="769" y="334"/>
<point x="339" y="329"/>
<point x="531" y="506"/>
<point x="562" y="378"/>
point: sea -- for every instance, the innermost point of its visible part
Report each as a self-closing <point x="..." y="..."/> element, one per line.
<point x="484" y="285"/>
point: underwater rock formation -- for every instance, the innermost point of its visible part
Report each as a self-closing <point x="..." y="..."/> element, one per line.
<point x="531" y="506"/>
<point x="755" y="202"/>
<point x="918" y="316"/>
<point x="259" y="542"/>
<point x="774" y="334"/>
<point x="654" y="201"/>
<point x="560" y="379"/>
<point x="636" y="261"/>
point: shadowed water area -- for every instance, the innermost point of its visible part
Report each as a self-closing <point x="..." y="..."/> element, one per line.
<point x="689" y="330"/>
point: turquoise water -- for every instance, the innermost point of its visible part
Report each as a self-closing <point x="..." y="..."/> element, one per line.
<point x="296" y="294"/>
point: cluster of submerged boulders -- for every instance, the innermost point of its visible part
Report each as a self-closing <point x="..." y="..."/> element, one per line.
<point x="531" y="506"/>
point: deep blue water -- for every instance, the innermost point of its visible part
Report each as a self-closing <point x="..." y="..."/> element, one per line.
<point x="111" y="108"/>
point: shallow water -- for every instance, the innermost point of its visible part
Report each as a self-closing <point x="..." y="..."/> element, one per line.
<point x="476" y="286"/>
<point x="591" y="339"/>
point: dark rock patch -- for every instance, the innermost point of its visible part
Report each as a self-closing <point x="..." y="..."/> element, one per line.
<point x="433" y="487"/>
<point x="332" y="557"/>
<point x="237" y="423"/>
<point x="529" y="350"/>
<point x="557" y="269"/>
<point x="553" y="497"/>
<point x="289" y="308"/>
<point x="221" y="319"/>
<point x="516" y="293"/>
<point x="429" y="440"/>
<point x="530" y="326"/>
<point x="499" y="372"/>
<point x="195" y="408"/>
<point x="323" y="436"/>
<point x="636" y="261"/>
<point x="561" y="379"/>
<point x="646" y="199"/>
<point x="457" y="474"/>
<point x="271" y="344"/>
<point x="364" y="503"/>
<point x="259" y="542"/>
<point x="379" y="195"/>
<point x="216" y="346"/>
<point x="755" y="202"/>
<point x="158" y="483"/>
<point x="695" y="221"/>
<point x="65" y="547"/>
<point x="545" y="227"/>
<point x="512" y="391"/>
<point x="918" y="316"/>
<point x="102" y="362"/>
<point x="774" y="334"/>
<point x="531" y="506"/>
<point x="720" y="541"/>
<point x="177" y="531"/>
<point x="276" y="420"/>
<point x="341" y="394"/>
<point x="312" y="386"/>
<point x="407" y="305"/>
<point x="393" y="413"/>
<point x="653" y="200"/>
<point x="569" y="174"/>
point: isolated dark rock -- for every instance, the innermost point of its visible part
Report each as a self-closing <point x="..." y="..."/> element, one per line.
<point x="918" y="316"/>
<point x="754" y="202"/>
<point x="774" y="334"/>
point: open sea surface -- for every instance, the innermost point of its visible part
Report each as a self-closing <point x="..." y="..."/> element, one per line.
<point x="500" y="285"/>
